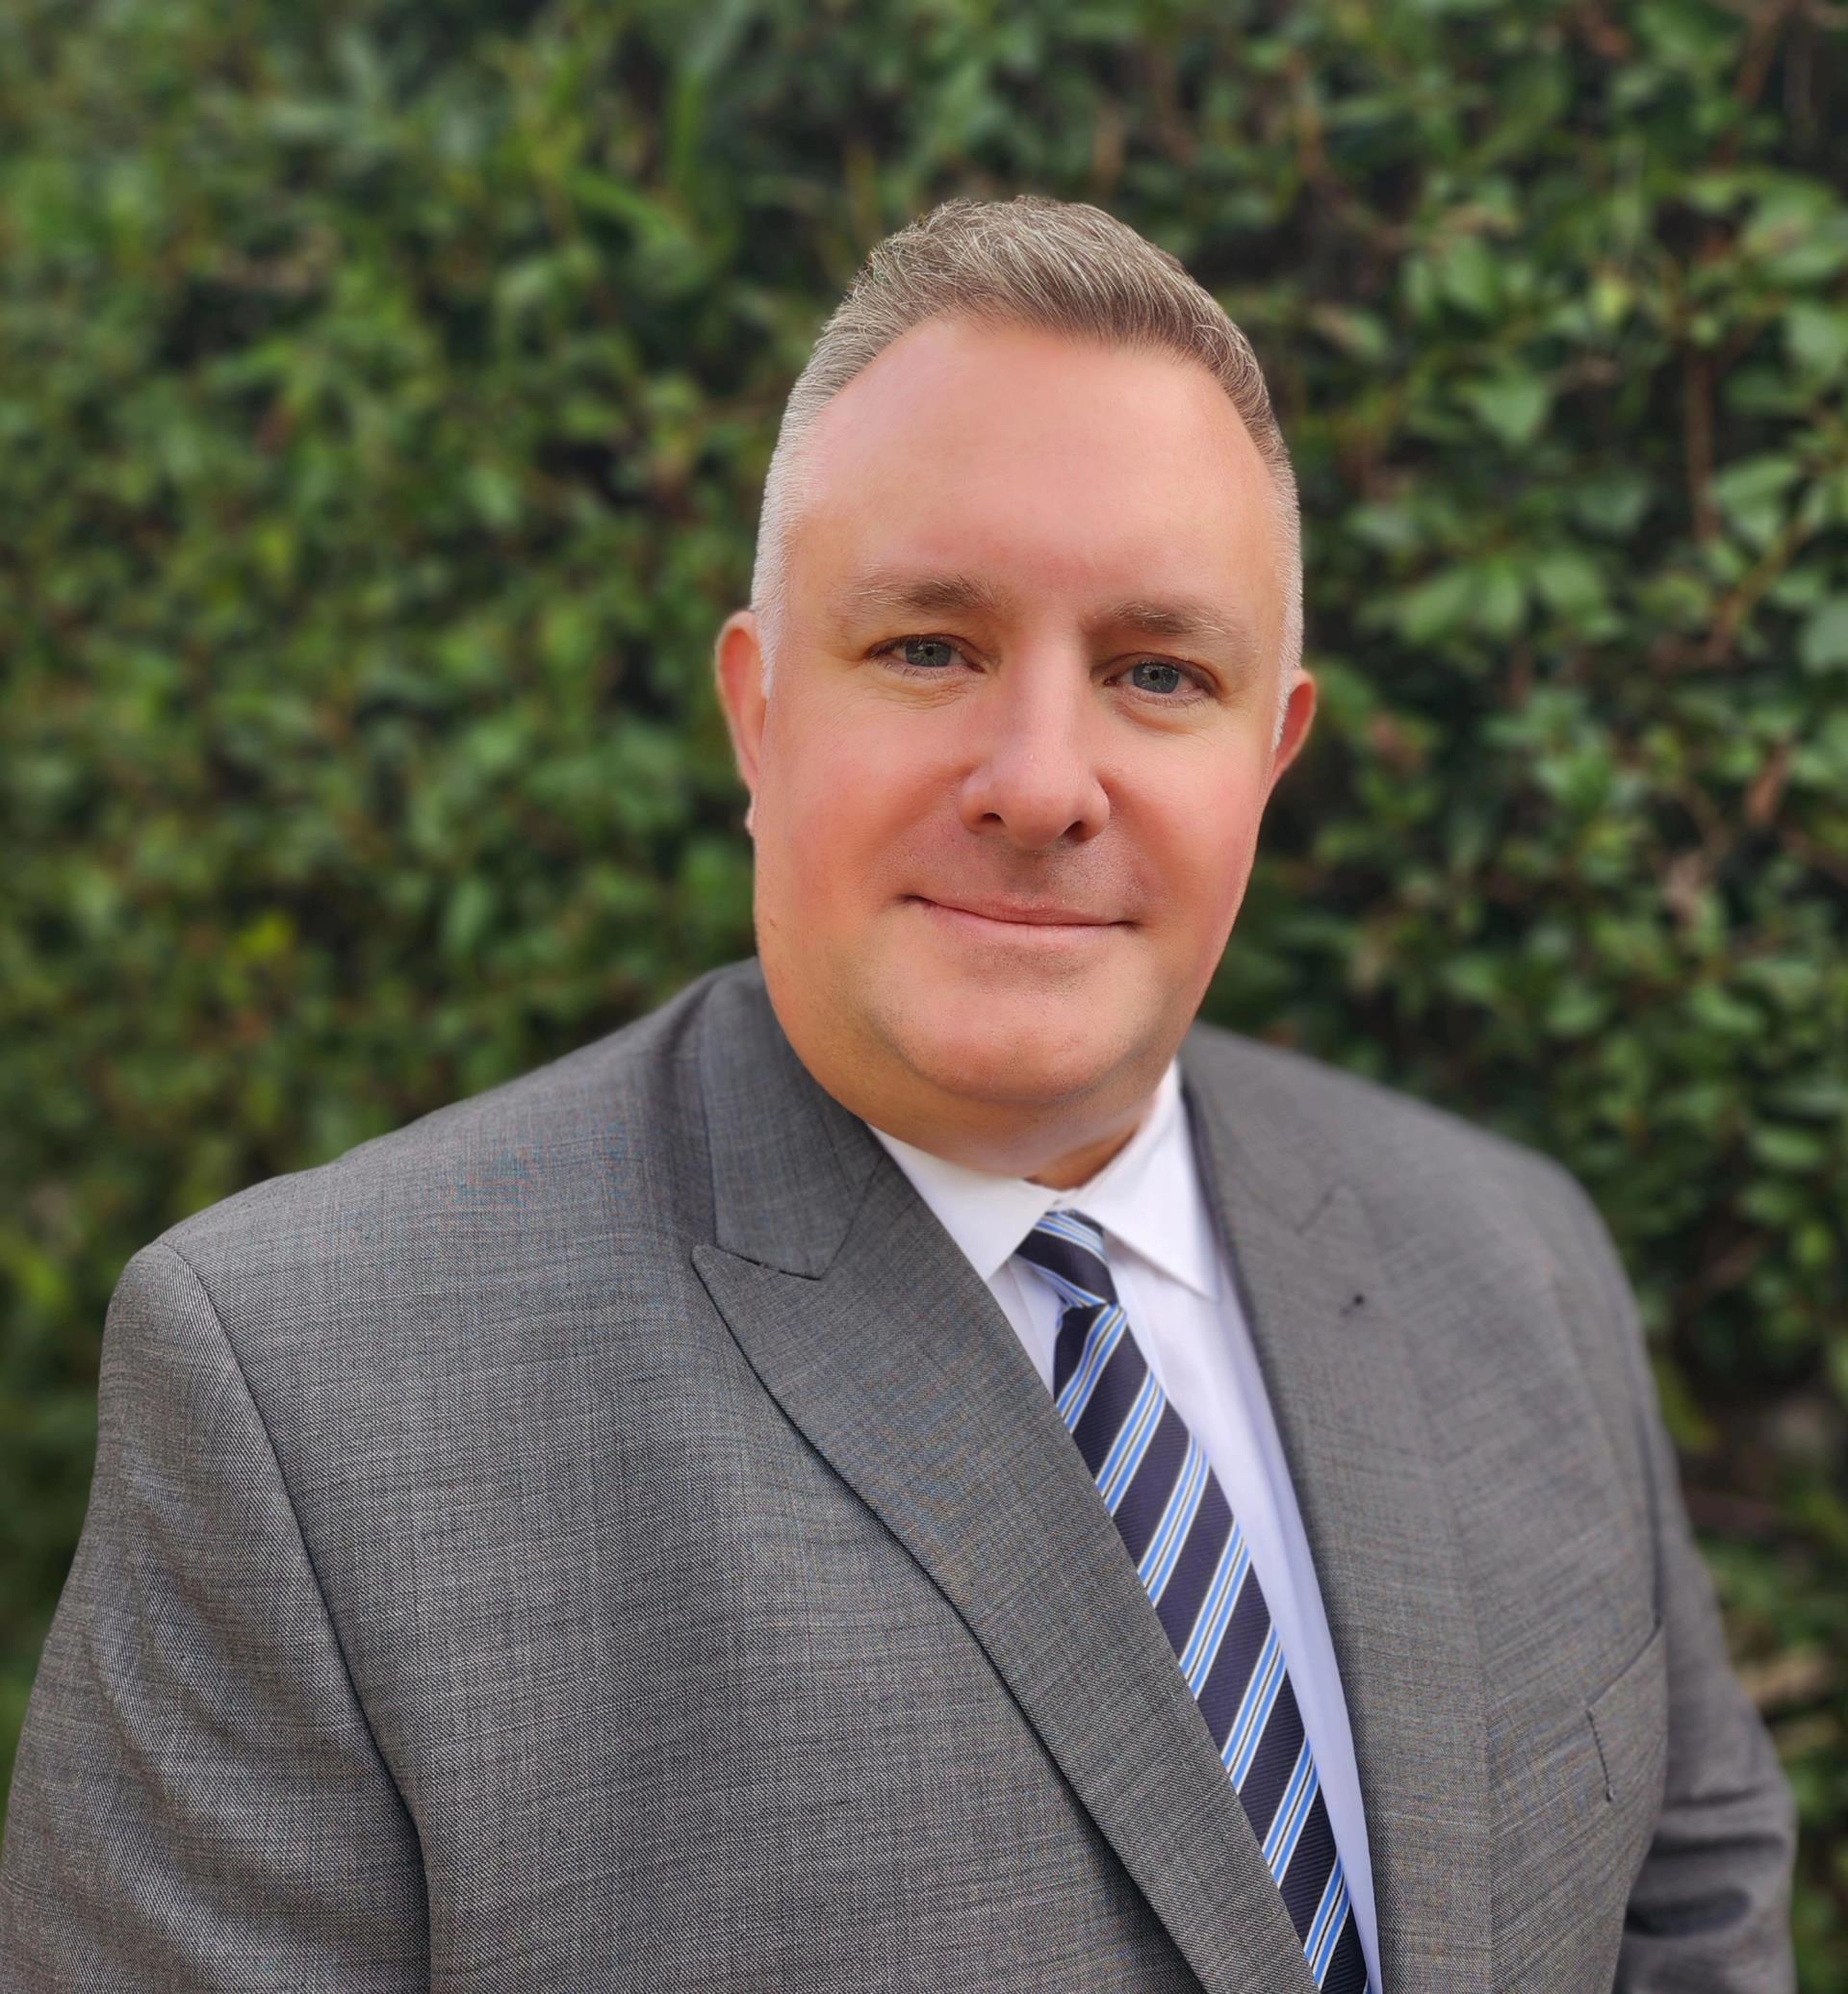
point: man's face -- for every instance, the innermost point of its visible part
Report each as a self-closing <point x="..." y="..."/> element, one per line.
<point x="1008" y="779"/>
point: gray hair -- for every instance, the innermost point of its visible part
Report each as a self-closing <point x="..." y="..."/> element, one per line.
<point x="1062" y="266"/>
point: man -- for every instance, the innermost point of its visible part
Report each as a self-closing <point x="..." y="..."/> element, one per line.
<point x="916" y="1465"/>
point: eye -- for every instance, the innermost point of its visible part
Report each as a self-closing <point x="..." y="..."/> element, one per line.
<point x="1158" y="677"/>
<point x="919" y="653"/>
<point x="1169" y="684"/>
<point x="934" y="656"/>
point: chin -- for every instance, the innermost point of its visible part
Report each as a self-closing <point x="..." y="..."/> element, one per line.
<point x="1038" y="1048"/>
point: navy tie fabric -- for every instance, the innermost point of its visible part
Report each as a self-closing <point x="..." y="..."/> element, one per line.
<point x="1196" y="1567"/>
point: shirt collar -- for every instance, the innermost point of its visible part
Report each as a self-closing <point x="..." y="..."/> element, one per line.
<point x="1148" y="1197"/>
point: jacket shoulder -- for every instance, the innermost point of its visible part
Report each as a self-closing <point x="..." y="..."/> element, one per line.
<point x="1448" y="1196"/>
<point x="1400" y="1151"/>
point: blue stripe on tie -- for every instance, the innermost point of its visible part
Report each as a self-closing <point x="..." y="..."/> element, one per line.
<point x="1131" y="1443"/>
<point x="1151" y="1489"/>
<point x="1296" y="1799"/>
<point x="1287" y="1846"/>
<point x="1247" y="1726"/>
<point x="1170" y="1533"/>
<point x="1345" y="1970"/>
<point x="1106" y="1332"/>
<point x="1319" y="1939"/>
<point x="1063" y="1226"/>
<point x="1341" y="1933"/>
<point x="1215" y="1610"/>
<point x="1076" y="1295"/>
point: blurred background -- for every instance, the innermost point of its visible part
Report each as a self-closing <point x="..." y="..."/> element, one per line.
<point x="385" y="395"/>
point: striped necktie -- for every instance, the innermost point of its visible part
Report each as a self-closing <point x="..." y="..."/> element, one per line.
<point x="1196" y="1567"/>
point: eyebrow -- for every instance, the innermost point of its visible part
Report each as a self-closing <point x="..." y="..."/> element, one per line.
<point x="1178" y="620"/>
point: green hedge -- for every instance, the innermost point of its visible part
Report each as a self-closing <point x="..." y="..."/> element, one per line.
<point x="385" y="394"/>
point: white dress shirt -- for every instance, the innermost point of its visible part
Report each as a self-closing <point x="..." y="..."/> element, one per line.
<point x="1185" y="1316"/>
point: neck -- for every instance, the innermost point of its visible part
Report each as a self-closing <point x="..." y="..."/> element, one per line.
<point x="1080" y="1166"/>
<point x="1059" y="1156"/>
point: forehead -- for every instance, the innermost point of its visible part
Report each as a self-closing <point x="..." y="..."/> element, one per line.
<point x="1058" y="464"/>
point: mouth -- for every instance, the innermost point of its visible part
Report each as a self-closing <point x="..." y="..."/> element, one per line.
<point x="1025" y="921"/>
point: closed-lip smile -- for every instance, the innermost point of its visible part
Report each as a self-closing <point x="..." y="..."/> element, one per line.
<point x="1029" y="914"/>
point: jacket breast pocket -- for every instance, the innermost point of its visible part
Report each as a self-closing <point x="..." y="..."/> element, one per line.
<point x="1629" y="1721"/>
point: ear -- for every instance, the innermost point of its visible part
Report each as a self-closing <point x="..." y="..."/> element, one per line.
<point x="738" y="663"/>
<point x="1298" y="711"/>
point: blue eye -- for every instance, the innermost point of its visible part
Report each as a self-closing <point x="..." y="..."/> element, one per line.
<point x="1170" y="676"/>
<point x="933" y="656"/>
<point x="943" y="652"/>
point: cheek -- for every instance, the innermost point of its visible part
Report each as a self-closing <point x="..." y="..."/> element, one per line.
<point x="839" y="805"/>
<point x="1201" y="837"/>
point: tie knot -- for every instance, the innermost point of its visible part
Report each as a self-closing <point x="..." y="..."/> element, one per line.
<point x="1066" y="1249"/>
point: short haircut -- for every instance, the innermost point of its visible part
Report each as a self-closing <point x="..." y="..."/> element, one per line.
<point x="1062" y="266"/>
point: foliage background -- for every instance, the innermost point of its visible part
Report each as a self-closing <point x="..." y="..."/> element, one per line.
<point x="385" y="393"/>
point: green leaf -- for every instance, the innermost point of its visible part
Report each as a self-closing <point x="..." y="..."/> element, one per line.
<point x="1614" y="502"/>
<point x="1569" y="583"/>
<point x="466" y="918"/>
<point x="1362" y="334"/>
<point x="1816" y="337"/>
<point x="1469" y="277"/>
<point x="1512" y="406"/>
<point x="1436" y="608"/>
<point x="1499" y="598"/>
<point x="1822" y="646"/>
<point x="1750" y="493"/>
<point x="1796" y="1150"/>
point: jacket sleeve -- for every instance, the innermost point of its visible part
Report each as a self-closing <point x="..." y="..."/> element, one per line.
<point x="1711" y="1908"/>
<point x="198" y="1802"/>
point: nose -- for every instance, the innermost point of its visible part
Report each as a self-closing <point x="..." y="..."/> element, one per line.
<point x="1035" y="776"/>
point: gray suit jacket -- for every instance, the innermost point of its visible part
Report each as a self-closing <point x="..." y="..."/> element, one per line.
<point x="605" y="1535"/>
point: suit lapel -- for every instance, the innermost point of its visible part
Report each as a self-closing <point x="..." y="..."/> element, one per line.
<point x="871" y="1330"/>
<point x="1335" y="1329"/>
